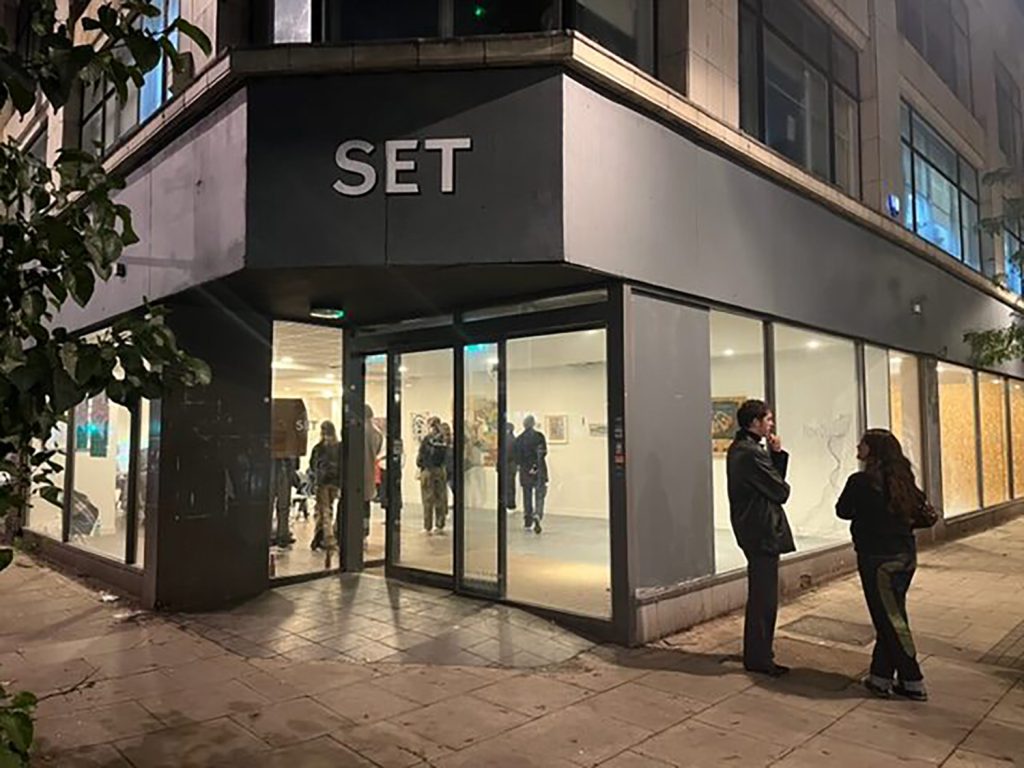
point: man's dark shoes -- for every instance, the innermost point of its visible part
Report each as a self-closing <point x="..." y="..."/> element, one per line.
<point x="879" y="691"/>
<point x="900" y="690"/>
<point x="536" y="526"/>
<point x="775" y="670"/>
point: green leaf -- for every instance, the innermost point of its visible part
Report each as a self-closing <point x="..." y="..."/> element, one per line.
<point x="24" y="700"/>
<point x="10" y="760"/>
<point x="33" y="304"/>
<point x="195" y="34"/>
<point x="18" y="727"/>
<point x="145" y="51"/>
<point x="66" y="393"/>
<point x="52" y="494"/>
<point x="81" y="283"/>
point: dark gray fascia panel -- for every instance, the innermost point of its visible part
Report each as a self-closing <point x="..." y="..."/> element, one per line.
<point x="188" y="208"/>
<point x="647" y="204"/>
<point x="500" y="200"/>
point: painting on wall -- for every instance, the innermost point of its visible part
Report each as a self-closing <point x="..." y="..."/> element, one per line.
<point x="724" y="422"/>
<point x="556" y="427"/>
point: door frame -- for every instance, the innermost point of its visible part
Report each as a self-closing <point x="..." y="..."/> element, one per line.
<point x="607" y="314"/>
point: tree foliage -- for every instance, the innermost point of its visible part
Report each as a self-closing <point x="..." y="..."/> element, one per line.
<point x="993" y="346"/>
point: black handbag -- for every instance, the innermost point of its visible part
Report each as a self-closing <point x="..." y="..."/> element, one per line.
<point x="925" y="516"/>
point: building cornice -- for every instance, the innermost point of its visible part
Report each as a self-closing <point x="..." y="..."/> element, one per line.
<point x="569" y="49"/>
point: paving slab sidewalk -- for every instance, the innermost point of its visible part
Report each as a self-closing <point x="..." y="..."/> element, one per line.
<point x="361" y="672"/>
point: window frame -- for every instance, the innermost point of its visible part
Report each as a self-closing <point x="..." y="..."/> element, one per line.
<point x="107" y="93"/>
<point x="958" y="32"/>
<point x="755" y="11"/>
<point x="566" y="17"/>
<point x="1008" y="97"/>
<point x="962" y="190"/>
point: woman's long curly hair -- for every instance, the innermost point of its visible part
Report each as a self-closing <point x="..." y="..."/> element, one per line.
<point x="891" y="472"/>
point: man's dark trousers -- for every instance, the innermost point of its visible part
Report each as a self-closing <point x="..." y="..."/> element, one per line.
<point x="762" y="609"/>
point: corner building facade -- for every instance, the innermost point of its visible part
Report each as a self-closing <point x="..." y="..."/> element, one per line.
<point x="620" y="219"/>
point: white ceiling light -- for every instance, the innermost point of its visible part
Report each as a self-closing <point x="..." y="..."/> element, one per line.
<point x="728" y="352"/>
<point x="813" y="344"/>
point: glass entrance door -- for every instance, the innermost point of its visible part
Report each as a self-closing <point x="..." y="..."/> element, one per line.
<point x="483" y="471"/>
<point x="420" y="461"/>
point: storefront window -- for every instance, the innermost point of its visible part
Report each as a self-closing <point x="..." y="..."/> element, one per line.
<point x="376" y="386"/>
<point x="1017" y="434"/>
<point x="905" y="406"/>
<point x="994" y="440"/>
<point x="306" y="394"/>
<point x="43" y="516"/>
<point x="148" y="460"/>
<point x="817" y="405"/>
<point x="737" y="374"/>
<point x="558" y="384"/>
<point x="958" y="433"/>
<point x="99" y="500"/>
<point x="876" y="386"/>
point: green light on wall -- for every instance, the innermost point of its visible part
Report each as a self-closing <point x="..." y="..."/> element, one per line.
<point x="479" y="11"/>
<point x="327" y="313"/>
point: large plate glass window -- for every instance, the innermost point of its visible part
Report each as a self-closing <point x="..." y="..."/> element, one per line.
<point x="817" y="402"/>
<point x="559" y="552"/>
<point x="995" y="478"/>
<point x="959" y="439"/>
<point x="306" y="467"/>
<point x="737" y="374"/>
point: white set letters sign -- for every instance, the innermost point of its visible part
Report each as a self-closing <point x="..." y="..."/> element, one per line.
<point x="399" y="158"/>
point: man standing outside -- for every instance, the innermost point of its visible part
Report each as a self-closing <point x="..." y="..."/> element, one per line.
<point x="756" y="470"/>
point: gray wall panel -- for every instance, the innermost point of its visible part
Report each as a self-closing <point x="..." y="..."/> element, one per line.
<point x="188" y="208"/>
<point x="668" y="391"/>
<point x="646" y="203"/>
<point x="506" y="206"/>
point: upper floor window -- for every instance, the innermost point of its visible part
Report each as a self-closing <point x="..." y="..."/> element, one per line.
<point x="105" y="119"/>
<point x="1008" y="113"/>
<point x="938" y="30"/>
<point x="940" y="190"/>
<point x="624" y="27"/>
<point x="799" y="89"/>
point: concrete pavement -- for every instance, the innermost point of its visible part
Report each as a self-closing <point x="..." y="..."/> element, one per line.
<point x="357" y="672"/>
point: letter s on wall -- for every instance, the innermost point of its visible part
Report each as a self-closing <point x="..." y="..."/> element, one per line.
<point x="356" y="167"/>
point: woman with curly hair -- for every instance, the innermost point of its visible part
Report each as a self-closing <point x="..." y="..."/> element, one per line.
<point x="883" y="502"/>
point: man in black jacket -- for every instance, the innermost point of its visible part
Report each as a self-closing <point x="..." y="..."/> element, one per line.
<point x="757" y="491"/>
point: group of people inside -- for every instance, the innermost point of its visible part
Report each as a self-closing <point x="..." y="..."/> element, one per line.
<point x="323" y="483"/>
<point x="526" y="458"/>
<point x="883" y="504"/>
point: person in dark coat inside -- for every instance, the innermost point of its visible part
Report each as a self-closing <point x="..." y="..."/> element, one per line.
<point x="756" y="471"/>
<point x="530" y="452"/>
<point x="881" y="502"/>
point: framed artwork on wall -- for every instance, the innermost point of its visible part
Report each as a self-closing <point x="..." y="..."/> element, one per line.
<point x="723" y="421"/>
<point x="556" y="427"/>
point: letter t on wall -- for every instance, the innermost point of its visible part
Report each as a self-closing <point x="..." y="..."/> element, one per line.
<point x="448" y="148"/>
